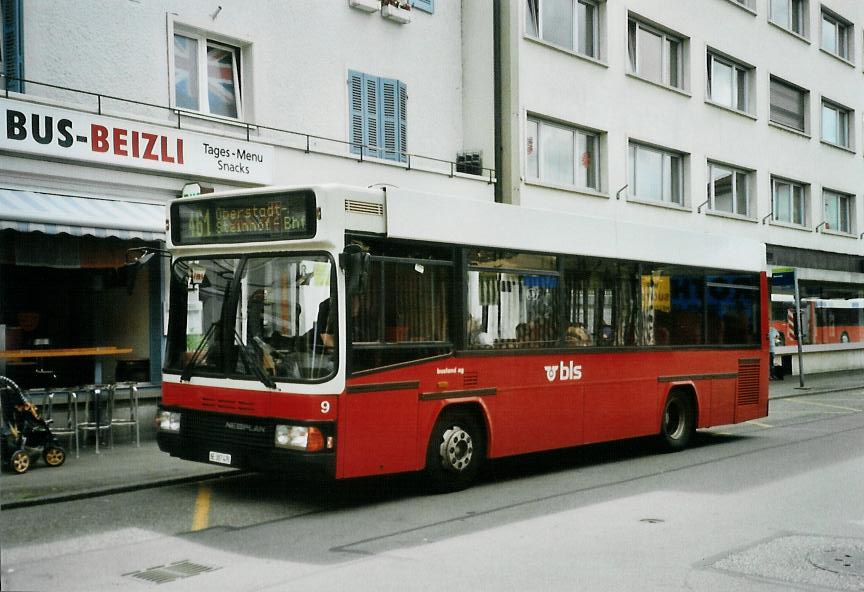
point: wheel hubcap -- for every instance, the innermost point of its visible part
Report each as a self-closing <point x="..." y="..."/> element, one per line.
<point x="54" y="457"/>
<point x="456" y="449"/>
<point x="20" y="462"/>
<point x="674" y="420"/>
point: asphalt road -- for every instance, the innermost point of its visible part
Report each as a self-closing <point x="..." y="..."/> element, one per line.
<point x="774" y="504"/>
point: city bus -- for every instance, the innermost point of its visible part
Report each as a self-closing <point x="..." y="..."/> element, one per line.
<point x="359" y="332"/>
<point x="824" y="320"/>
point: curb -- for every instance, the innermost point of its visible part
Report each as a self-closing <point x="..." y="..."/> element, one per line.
<point x="816" y="391"/>
<point x="92" y="493"/>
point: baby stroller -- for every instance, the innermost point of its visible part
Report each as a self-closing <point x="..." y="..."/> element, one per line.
<point x="24" y="432"/>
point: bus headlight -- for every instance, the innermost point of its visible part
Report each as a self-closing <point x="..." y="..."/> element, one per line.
<point x="168" y="421"/>
<point x="304" y="438"/>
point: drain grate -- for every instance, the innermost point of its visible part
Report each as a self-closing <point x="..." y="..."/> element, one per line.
<point x="842" y="560"/>
<point x="162" y="574"/>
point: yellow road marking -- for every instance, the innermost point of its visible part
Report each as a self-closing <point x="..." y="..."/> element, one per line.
<point x="201" y="519"/>
<point x="825" y="405"/>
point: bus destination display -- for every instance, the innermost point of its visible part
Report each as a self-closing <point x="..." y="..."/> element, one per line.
<point x="276" y="216"/>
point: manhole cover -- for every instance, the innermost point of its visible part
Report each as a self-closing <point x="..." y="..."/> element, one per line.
<point x="162" y="574"/>
<point x="841" y="560"/>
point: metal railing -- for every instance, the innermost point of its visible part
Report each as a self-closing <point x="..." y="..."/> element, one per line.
<point x="308" y="143"/>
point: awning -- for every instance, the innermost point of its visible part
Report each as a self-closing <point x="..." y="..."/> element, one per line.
<point x="28" y="211"/>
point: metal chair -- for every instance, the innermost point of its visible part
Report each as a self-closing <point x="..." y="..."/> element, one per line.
<point x="71" y="428"/>
<point x="132" y="420"/>
<point x="95" y="419"/>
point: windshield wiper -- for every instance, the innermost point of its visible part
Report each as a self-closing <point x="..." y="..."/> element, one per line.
<point x="253" y="364"/>
<point x="186" y="375"/>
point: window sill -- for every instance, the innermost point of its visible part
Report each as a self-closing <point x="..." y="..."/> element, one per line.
<point x="790" y="225"/>
<point x="213" y="118"/>
<point x="587" y="191"/>
<point x="659" y="204"/>
<point x="743" y="7"/>
<point x="570" y="52"/>
<point x="730" y="109"/>
<point x="674" y="89"/>
<point x="838" y="147"/>
<point x="840" y="233"/>
<point x="839" y="58"/>
<point x="798" y="36"/>
<point x="730" y="216"/>
<point x="791" y="130"/>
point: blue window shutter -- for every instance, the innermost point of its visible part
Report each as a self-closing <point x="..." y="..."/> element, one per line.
<point x="425" y="5"/>
<point x="13" y="45"/>
<point x="390" y="119"/>
<point x="356" y="114"/>
<point x="403" y="119"/>
<point x="372" y="113"/>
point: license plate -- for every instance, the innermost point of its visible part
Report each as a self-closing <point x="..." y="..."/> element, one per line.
<point x="220" y="457"/>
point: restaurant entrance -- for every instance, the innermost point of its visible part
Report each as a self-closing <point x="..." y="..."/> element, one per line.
<point x="63" y="292"/>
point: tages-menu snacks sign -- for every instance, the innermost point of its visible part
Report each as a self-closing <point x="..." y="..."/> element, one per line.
<point x="61" y="133"/>
<point x="251" y="218"/>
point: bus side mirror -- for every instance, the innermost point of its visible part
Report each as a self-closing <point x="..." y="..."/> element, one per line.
<point x="357" y="265"/>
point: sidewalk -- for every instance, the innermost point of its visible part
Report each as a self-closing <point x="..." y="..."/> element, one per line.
<point x="127" y="467"/>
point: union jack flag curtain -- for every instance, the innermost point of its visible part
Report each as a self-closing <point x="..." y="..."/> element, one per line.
<point x="221" y="97"/>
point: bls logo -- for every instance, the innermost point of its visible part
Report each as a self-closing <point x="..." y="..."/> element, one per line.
<point x="570" y="371"/>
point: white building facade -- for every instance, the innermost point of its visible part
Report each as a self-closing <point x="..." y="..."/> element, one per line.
<point x="728" y="117"/>
<point x="158" y="96"/>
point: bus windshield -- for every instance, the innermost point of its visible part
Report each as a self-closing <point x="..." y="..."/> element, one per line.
<point x="268" y="317"/>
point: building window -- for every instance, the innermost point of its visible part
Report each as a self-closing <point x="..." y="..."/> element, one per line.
<point x="655" y="55"/>
<point x="838" y="210"/>
<point x="424" y="5"/>
<point x="206" y="76"/>
<point x="835" y="124"/>
<point x="562" y="155"/>
<point x="728" y="83"/>
<point x="728" y="189"/>
<point x="790" y="14"/>
<point x="789" y="105"/>
<point x="788" y="202"/>
<point x="378" y="116"/>
<point x="655" y="174"/>
<point x="836" y="35"/>
<point x="12" y="54"/>
<point x="572" y="24"/>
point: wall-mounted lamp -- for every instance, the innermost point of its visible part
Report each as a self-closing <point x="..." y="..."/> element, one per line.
<point x="618" y="193"/>
<point x="704" y="203"/>
<point x="770" y="215"/>
<point x="825" y="224"/>
<point x="215" y="14"/>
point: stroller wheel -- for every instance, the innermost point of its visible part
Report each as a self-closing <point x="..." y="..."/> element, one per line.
<point x="54" y="456"/>
<point x="19" y="462"/>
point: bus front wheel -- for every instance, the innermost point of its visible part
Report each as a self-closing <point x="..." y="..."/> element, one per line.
<point x="456" y="450"/>
<point x="679" y="421"/>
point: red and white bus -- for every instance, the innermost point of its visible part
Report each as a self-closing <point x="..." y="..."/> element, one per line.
<point x="371" y="331"/>
<point x="825" y="320"/>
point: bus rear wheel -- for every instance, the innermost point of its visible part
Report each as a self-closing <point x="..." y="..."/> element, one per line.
<point x="456" y="450"/>
<point x="678" y="423"/>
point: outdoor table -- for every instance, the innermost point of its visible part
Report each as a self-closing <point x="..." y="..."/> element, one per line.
<point x="97" y="353"/>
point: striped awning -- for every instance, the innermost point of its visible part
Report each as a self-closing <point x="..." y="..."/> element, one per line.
<point x="49" y="213"/>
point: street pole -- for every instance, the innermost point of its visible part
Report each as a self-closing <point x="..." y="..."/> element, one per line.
<point x="800" y="337"/>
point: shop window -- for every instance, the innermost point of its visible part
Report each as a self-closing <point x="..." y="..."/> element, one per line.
<point x="206" y="75"/>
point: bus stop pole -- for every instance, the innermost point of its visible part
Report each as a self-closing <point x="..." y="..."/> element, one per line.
<point x="800" y="333"/>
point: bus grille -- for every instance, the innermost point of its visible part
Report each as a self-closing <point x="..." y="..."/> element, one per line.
<point x="748" y="382"/>
<point x="226" y="430"/>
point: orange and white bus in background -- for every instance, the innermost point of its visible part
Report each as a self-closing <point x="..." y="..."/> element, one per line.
<point x="824" y="320"/>
<point x="372" y="331"/>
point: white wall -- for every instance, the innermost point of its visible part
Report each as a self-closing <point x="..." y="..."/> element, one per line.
<point x="559" y="85"/>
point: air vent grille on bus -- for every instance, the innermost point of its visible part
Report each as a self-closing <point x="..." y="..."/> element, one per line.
<point x="749" y="372"/>
<point x="364" y="207"/>
<point x="471" y="380"/>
